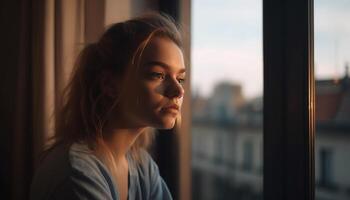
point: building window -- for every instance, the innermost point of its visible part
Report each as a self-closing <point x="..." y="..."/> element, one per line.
<point x="247" y="156"/>
<point x="326" y="167"/>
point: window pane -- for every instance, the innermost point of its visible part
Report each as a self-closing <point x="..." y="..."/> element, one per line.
<point x="227" y="82"/>
<point x="332" y="53"/>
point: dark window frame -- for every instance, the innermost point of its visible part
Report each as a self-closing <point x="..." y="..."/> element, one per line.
<point x="289" y="129"/>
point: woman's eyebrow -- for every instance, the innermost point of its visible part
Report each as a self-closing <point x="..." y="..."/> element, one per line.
<point x="164" y="65"/>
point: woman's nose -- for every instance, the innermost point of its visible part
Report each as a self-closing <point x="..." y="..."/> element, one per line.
<point x="174" y="89"/>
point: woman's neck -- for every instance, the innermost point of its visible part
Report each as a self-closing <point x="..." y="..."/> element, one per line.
<point x="120" y="140"/>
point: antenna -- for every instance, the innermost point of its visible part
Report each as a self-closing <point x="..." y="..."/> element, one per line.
<point x="336" y="49"/>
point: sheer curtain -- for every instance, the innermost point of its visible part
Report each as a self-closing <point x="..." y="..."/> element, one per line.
<point x="51" y="34"/>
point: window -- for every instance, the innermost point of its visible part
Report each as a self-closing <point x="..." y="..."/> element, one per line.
<point x="227" y="99"/>
<point x="332" y="56"/>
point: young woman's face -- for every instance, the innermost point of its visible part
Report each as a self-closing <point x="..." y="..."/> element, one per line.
<point x="154" y="96"/>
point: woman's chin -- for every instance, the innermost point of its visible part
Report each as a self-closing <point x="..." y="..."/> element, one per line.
<point x="166" y="124"/>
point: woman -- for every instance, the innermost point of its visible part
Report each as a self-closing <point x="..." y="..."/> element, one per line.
<point x="129" y="81"/>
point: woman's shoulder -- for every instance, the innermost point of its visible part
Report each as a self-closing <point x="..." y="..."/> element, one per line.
<point x="65" y="159"/>
<point x="52" y="170"/>
<point x="82" y="159"/>
<point x="71" y="171"/>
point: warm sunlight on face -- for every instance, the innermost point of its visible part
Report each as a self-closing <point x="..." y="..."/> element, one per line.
<point x="157" y="92"/>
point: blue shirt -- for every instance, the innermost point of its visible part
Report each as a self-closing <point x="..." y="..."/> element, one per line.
<point x="73" y="172"/>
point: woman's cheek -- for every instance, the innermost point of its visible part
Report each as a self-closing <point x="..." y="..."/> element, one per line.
<point x="151" y="96"/>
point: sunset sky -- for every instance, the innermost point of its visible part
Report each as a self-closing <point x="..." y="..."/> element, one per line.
<point x="227" y="42"/>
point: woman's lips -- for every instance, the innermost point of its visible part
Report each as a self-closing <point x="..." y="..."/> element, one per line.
<point x="173" y="106"/>
<point x="171" y="109"/>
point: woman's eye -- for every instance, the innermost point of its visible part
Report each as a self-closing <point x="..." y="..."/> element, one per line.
<point x="157" y="75"/>
<point x="181" y="80"/>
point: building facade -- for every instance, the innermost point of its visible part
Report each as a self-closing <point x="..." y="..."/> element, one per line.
<point x="227" y="147"/>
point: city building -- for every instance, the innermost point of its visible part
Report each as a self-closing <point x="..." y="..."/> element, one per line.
<point x="228" y="144"/>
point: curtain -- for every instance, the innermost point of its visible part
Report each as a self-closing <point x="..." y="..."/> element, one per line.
<point x="58" y="34"/>
<point x="50" y="33"/>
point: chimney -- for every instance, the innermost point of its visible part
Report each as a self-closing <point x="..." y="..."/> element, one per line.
<point x="346" y="79"/>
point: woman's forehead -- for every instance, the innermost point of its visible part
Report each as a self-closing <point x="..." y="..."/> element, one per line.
<point x="163" y="52"/>
<point x="165" y="66"/>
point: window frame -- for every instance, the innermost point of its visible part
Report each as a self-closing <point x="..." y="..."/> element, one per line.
<point x="289" y="100"/>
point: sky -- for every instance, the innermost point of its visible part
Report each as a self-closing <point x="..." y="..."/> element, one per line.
<point x="227" y="43"/>
<point x="332" y="37"/>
